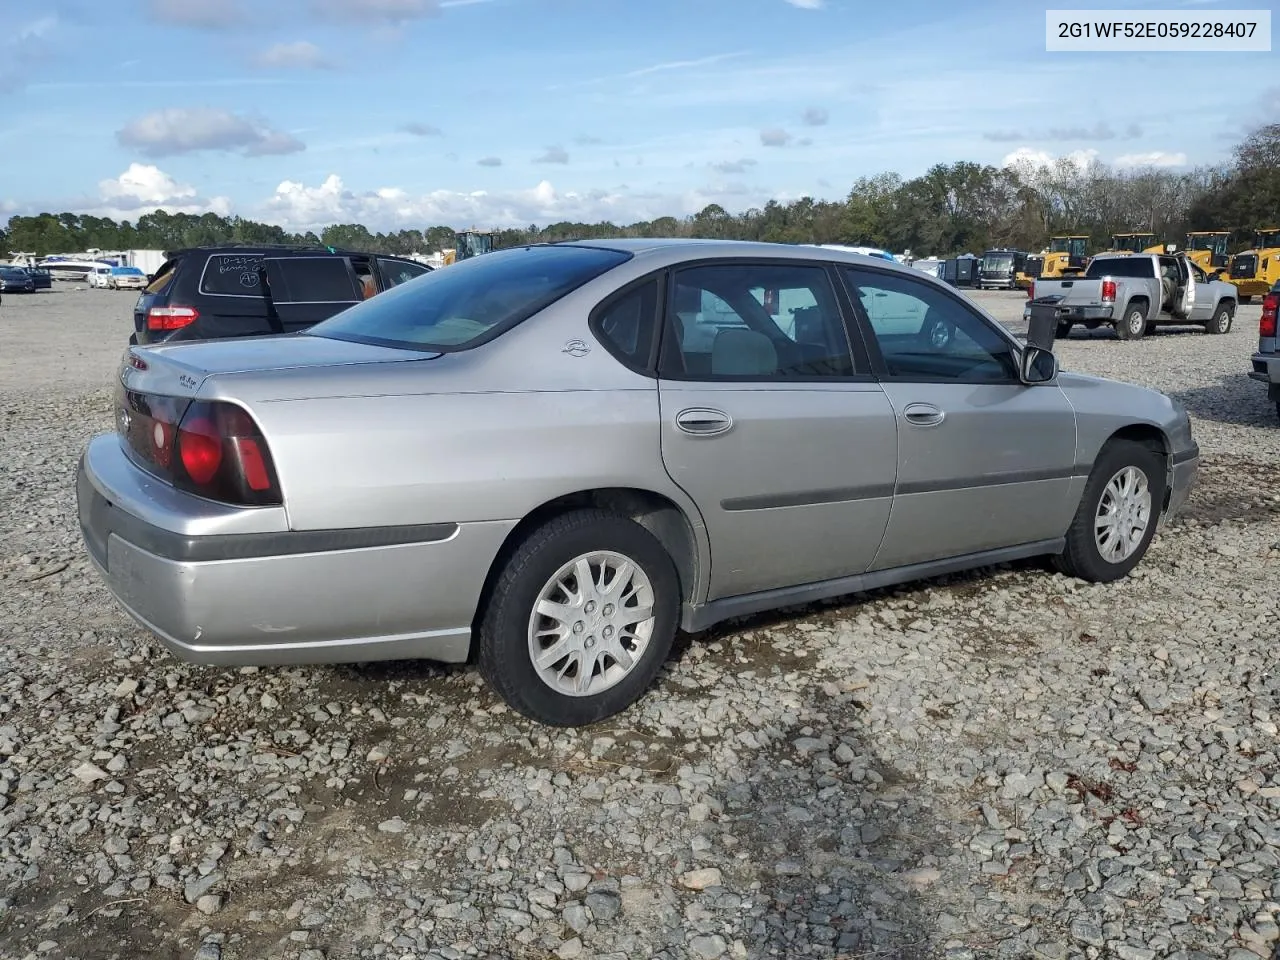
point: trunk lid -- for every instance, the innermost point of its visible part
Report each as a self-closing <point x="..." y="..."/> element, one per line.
<point x="178" y="369"/>
<point x="1075" y="292"/>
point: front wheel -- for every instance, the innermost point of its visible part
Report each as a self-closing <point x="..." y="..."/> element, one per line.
<point x="1221" y="320"/>
<point x="1132" y="325"/>
<point x="581" y="619"/>
<point x="1118" y="513"/>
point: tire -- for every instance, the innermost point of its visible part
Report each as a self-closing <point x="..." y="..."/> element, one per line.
<point x="1133" y="325"/>
<point x="1063" y="330"/>
<point x="1221" y="321"/>
<point x="1083" y="557"/>
<point x="507" y="637"/>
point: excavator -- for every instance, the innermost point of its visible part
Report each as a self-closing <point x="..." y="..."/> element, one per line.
<point x="1065" y="256"/>
<point x="468" y="244"/>
<point x="1207" y="249"/>
<point x="1135" y="243"/>
<point x="1256" y="270"/>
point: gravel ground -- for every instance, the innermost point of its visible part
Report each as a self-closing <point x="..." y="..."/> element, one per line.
<point x="1012" y="765"/>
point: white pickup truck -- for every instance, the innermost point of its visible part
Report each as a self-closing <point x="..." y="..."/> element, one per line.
<point x="1136" y="292"/>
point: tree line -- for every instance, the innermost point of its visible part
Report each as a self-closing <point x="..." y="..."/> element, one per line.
<point x="950" y="209"/>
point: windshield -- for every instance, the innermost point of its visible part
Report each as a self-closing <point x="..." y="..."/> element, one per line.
<point x="1268" y="239"/>
<point x="1218" y="244"/>
<point x="1121" y="267"/>
<point x="128" y="272"/>
<point x="465" y="303"/>
<point x="997" y="261"/>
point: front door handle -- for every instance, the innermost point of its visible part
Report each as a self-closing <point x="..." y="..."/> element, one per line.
<point x="703" y="421"/>
<point x="923" y="414"/>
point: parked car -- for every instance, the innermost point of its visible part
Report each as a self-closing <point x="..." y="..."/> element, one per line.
<point x="16" y="280"/>
<point x="529" y="457"/>
<point x="1136" y="292"/>
<point x="126" y="278"/>
<point x="41" y="277"/>
<point x="1266" y="362"/>
<point x="98" y="276"/>
<point x="206" y="293"/>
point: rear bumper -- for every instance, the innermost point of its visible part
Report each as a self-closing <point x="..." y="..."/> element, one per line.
<point x="1186" y="466"/>
<point x="1078" y="314"/>
<point x="285" y="597"/>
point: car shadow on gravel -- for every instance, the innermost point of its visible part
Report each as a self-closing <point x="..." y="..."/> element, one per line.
<point x="1233" y="399"/>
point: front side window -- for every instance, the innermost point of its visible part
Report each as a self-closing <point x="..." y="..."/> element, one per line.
<point x="468" y="302"/>
<point x="754" y="321"/>
<point x="925" y="334"/>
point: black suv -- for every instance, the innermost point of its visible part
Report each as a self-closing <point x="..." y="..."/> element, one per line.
<point x="204" y="293"/>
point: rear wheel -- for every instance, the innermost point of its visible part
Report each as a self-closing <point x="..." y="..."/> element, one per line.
<point x="1133" y="325"/>
<point x="1221" y="320"/>
<point x="1118" y="513"/>
<point x="581" y="619"/>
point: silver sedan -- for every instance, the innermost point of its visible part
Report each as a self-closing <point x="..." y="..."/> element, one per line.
<point x="550" y="458"/>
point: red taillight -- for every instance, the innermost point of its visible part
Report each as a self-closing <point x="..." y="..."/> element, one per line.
<point x="1031" y="291"/>
<point x="1109" y="291"/>
<point x="171" y="318"/>
<point x="200" y="446"/>
<point x="1270" y="307"/>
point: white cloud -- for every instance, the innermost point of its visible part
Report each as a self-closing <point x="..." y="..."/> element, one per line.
<point x="301" y="54"/>
<point x="774" y="137"/>
<point x="422" y="129"/>
<point x="1031" y="158"/>
<point x="143" y="188"/>
<point x="1155" y="158"/>
<point x="186" y="130"/>
<point x="807" y="4"/>
<point x="296" y="206"/>
<point x="387" y="12"/>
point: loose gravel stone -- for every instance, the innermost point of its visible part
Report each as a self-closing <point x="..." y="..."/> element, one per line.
<point x="1008" y="764"/>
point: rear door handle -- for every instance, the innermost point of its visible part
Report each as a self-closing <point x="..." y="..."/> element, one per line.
<point x="923" y="414"/>
<point x="703" y="421"/>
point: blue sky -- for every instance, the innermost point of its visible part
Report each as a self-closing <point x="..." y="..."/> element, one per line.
<point x="405" y="113"/>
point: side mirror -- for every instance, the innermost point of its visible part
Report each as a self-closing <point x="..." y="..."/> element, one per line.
<point x="1038" y="365"/>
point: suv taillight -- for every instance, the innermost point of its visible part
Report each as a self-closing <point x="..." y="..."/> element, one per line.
<point x="1108" y="291"/>
<point x="1270" y="307"/>
<point x="1031" y="291"/>
<point x="210" y="448"/>
<point x="171" y="318"/>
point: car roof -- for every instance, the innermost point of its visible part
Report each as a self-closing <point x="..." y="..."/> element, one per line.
<point x="674" y="249"/>
<point x="280" y="250"/>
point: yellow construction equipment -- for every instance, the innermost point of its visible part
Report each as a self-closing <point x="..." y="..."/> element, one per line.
<point x="468" y="244"/>
<point x="1135" y="243"/>
<point x="1066" y="255"/>
<point x="1207" y="249"/>
<point x="1255" y="270"/>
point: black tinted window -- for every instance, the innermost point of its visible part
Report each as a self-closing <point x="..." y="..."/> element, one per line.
<point x="748" y="321"/>
<point x="396" y="272"/>
<point x="626" y="323"/>
<point x="464" y="302"/>
<point x="1121" y="267"/>
<point x="313" y="280"/>
<point x="232" y="274"/>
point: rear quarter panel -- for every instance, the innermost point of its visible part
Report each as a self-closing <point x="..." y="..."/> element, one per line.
<point x="483" y="434"/>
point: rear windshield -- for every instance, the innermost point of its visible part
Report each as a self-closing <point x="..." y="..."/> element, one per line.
<point x="1121" y="267"/>
<point x="458" y="305"/>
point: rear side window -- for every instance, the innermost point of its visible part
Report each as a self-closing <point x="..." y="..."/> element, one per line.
<point x="232" y="275"/>
<point x="312" y="280"/>
<point x="396" y="272"/>
<point x="1121" y="267"/>
<point x="467" y="303"/>
<point x="163" y="278"/>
